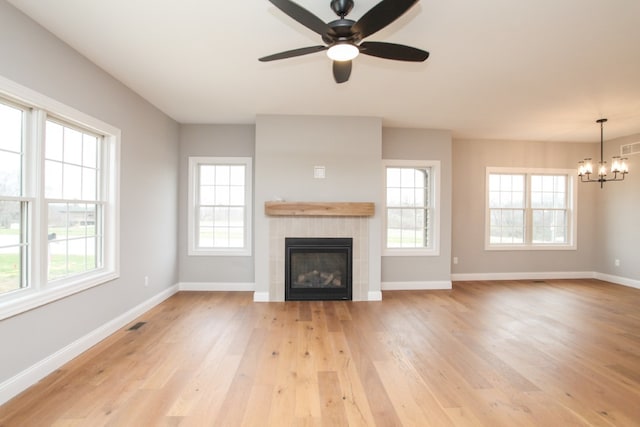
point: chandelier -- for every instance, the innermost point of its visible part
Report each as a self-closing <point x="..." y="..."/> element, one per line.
<point x="619" y="166"/>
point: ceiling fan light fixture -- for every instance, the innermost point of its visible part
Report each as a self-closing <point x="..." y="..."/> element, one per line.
<point x="343" y="52"/>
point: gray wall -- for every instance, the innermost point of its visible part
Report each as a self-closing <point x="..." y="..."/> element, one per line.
<point x="470" y="160"/>
<point x="32" y="57"/>
<point x="617" y="220"/>
<point x="218" y="141"/>
<point x="288" y="148"/>
<point x="422" y="144"/>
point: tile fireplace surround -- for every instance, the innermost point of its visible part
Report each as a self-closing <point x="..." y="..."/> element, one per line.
<point x="311" y="223"/>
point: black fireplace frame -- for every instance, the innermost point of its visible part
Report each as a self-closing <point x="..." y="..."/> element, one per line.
<point x="312" y="245"/>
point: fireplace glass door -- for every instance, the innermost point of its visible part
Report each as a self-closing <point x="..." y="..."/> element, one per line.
<point x="318" y="268"/>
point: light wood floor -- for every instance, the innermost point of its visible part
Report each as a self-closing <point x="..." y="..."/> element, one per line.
<point x="556" y="353"/>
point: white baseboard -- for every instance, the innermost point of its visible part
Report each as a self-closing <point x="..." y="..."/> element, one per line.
<point x="618" y="280"/>
<point x="524" y="276"/>
<point x="374" y="296"/>
<point x="416" y="286"/>
<point x="25" y="379"/>
<point x="217" y="286"/>
<point x="261" y="296"/>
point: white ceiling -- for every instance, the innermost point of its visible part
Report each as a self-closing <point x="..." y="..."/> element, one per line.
<point x="506" y="69"/>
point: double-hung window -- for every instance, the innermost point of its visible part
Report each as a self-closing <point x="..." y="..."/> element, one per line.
<point x="411" y="207"/>
<point x="530" y="209"/>
<point x="58" y="200"/>
<point x="14" y="206"/>
<point x="219" y="217"/>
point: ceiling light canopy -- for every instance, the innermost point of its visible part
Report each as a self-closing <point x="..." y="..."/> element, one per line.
<point x="343" y="52"/>
<point x="619" y="167"/>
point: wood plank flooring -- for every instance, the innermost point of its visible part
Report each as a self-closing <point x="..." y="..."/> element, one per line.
<point x="553" y="353"/>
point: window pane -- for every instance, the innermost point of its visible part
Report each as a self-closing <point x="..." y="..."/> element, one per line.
<point x="53" y="144"/>
<point x="220" y="237"/>
<point x="407" y="196"/>
<point x="408" y="219"/>
<point x="207" y="195"/>
<point x="407" y="177"/>
<point x="205" y="237"/>
<point x="393" y="197"/>
<point x="89" y="190"/>
<point x="206" y="217"/>
<point x="394" y="218"/>
<point x="10" y="268"/>
<point x="236" y="196"/>
<point x="236" y="237"/>
<point x="222" y="175"/>
<point x="506" y="226"/>
<point x="13" y="248"/>
<point x="10" y="171"/>
<point x="72" y="146"/>
<point x="393" y="177"/>
<point x="221" y="217"/>
<point x="74" y="246"/>
<point x="72" y="182"/>
<point x="236" y="175"/>
<point x="236" y="217"/>
<point x="10" y="128"/>
<point x="221" y="195"/>
<point x="57" y="259"/>
<point x="207" y="175"/>
<point x="549" y="226"/>
<point x="53" y="179"/>
<point x="89" y="151"/>
<point x="506" y="191"/>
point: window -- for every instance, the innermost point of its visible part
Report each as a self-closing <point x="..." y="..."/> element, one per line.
<point x="220" y="205"/>
<point x="14" y="207"/>
<point x="72" y="199"/>
<point x="58" y="200"/>
<point x="412" y="208"/>
<point x="530" y="209"/>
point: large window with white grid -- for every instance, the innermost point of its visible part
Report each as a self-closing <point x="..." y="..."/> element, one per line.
<point x="219" y="217"/>
<point x="411" y="207"/>
<point x="530" y="209"/>
<point x="58" y="200"/>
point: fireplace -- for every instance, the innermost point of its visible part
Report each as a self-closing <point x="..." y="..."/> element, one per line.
<point x="318" y="268"/>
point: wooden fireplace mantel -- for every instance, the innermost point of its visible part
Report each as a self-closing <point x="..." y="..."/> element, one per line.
<point x="319" y="208"/>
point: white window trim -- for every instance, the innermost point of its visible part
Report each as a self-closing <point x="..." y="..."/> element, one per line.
<point x="434" y="181"/>
<point x="40" y="292"/>
<point x="572" y="208"/>
<point x="191" y="211"/>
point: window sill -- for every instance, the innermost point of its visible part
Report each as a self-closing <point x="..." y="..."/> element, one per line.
<point x="530" y="248"/>
<point x="410" y="252"/>
<point x="219" y="252"/>
<point x="27" y="299"/>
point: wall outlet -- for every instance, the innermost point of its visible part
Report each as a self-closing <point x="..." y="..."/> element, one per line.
<point x="146" y="281"/>
<point x="455" y="259"/>
<point x="617" y="263"/>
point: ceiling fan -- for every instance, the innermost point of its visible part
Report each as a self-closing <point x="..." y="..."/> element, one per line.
<point x="343" y="37"/>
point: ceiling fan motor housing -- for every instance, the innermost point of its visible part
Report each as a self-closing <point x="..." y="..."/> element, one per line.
<point x="341" y="7"/>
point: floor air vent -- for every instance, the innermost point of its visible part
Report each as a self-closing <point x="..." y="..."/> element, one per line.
<point x="136" y="326"/>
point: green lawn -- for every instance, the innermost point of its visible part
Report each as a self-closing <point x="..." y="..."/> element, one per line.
<point x="58" y="267"/>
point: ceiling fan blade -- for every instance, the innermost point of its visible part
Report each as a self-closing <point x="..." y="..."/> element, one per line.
<point x="293" y="53"/>
<point x="303" y="16"/>
<point x="341" y="71"/>
<point x="381" y="15"/>
<point x="399" y="52"/>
